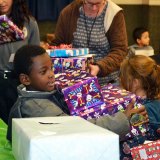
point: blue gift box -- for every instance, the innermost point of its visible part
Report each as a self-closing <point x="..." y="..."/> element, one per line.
<point x="72" y="52"/>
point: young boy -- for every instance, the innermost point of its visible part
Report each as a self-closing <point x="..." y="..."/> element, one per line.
<point x="142" y="40"/>
<point x="38" y="97"/>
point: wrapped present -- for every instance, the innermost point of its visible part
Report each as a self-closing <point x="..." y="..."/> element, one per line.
<point x="147" y="151"/>
<point x="89" y="59"/>
<point x="62" y="64"/>
<point x="94" y="112"/>
<point x="9" y="32"/>
<point x="57" y="65"/>
<point x="117" y="99"/>
<point x="76" y="62"/>
<point x="81" y="90"/>
<point x="71" y="52"/>
<point x="62" y="138"/>
<point x="61" y="46"/>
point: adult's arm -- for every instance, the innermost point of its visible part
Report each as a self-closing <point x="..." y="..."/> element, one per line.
<point x="67" y="23"/>
<point x="117" y="123"/>
<point x="34" y="36"/>
<point x="117" y="37"/>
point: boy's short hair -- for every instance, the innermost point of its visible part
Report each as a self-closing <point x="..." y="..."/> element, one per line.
<point x="23" y="58"/>
<point x="137" y="33"/>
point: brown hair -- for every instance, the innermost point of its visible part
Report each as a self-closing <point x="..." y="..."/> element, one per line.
<point x="146" y="70"/>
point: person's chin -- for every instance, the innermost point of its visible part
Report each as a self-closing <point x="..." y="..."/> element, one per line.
<point x="49" y="89"/>
<point x="4" y="10"/>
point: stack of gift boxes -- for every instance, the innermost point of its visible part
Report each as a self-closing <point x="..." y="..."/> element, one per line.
<point x="9" y="32"/>
<point x="82" y="92"/>
<point x="85" y="97"/>
<point x="65" y="57"/>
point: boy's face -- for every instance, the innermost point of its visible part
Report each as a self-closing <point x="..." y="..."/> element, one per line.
<point x="41" y="77"/>
<point x="144" y="41"/>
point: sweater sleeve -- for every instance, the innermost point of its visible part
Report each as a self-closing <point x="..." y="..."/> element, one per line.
<point x="41" y="108"/>
<point x="117" y="37"/>
<point x="59" y="31"/>
<point x="117" y="123"/>
<point x="34" y="37"/>
<point x="67" y="23"/>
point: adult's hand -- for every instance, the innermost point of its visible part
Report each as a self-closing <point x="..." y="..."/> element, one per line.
<point x="45" y="45"/>
<point x="94" y="69"/>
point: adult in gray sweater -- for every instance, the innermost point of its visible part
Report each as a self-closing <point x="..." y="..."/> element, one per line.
<point x="17" y="11"/>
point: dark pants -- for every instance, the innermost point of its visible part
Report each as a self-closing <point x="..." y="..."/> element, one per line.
<point x="8" y="96"/>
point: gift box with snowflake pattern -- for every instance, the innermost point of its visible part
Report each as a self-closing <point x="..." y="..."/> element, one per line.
<point x="81" y="90"/>
<point x="117" y="99"/>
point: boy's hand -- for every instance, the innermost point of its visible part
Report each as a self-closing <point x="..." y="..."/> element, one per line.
<point x="130" y="110"/>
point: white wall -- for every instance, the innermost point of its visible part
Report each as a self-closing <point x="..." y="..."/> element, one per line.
<point x="154" y="2"/>
<point x="134" y="2"/>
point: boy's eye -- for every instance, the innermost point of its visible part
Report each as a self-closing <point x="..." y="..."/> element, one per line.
<point x="43" y="72"/>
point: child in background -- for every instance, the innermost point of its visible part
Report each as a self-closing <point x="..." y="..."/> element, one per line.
<point x="38" y="97"/>
<point x="142" y="41"/>
<point x="141" y="75"/>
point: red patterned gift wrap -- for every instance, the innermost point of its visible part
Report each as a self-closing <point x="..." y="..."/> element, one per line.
<point x="149" y="151"/>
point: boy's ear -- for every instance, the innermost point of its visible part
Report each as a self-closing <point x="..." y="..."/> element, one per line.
<point x="24" y="79"/>
<point x="138" y="41"/>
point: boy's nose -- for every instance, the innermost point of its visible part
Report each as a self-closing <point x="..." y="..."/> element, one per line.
<point x="51" y="74"/>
